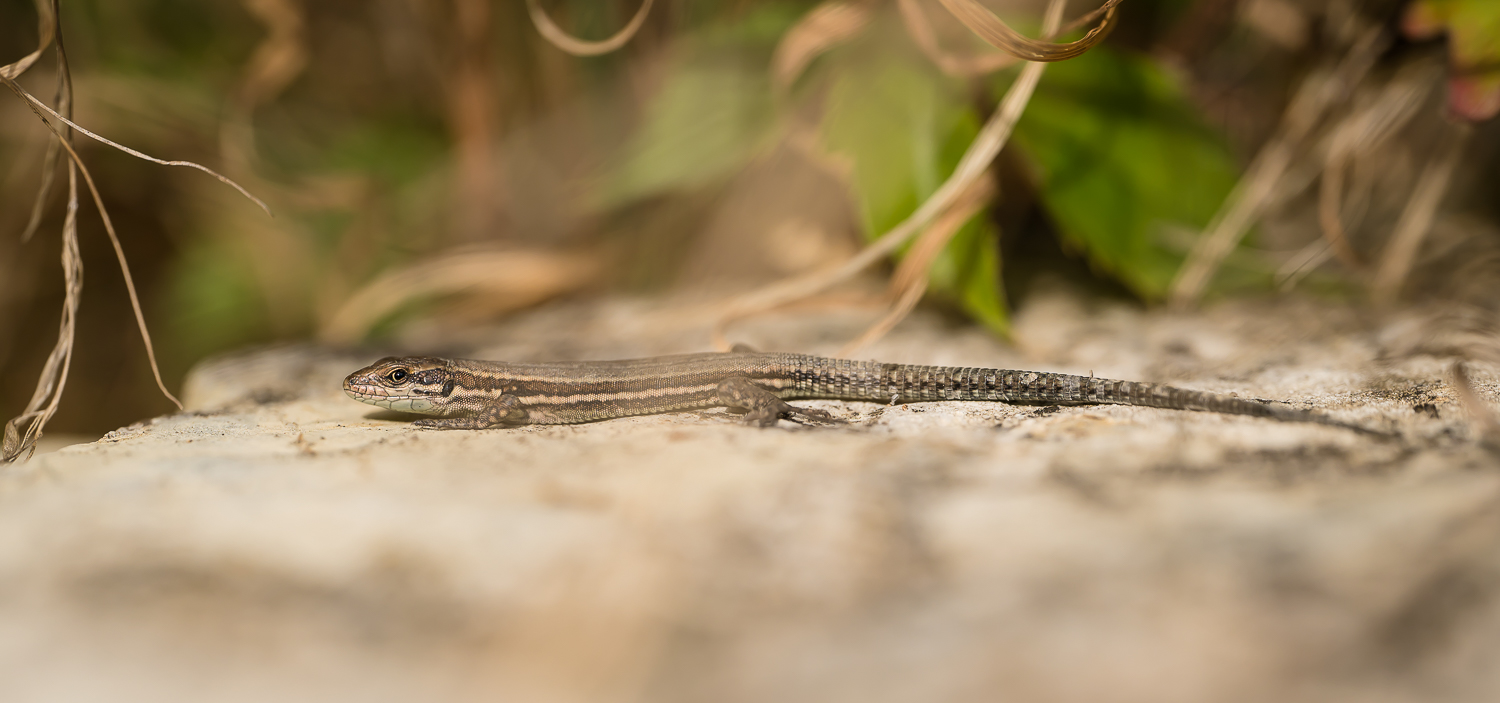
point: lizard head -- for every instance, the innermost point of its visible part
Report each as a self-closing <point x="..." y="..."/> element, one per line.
<point x="413" y="384"/>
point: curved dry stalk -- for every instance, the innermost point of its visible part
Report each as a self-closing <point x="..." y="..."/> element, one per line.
<point x="971" y="167"/>
<point x="109" y="228"/>
<point x="1416" y="219"/>
<point x="46" y="27"/>
<point x="921" y="33"/>
<point x="54" y="377"/>
<point x="826" y="26"/>
<point x="990" y="28"/>
<point x="579" y="47"/>
<point x="920" y="30"/>
<point x="39" y="107"/>
<point x="516" y="277"/>
<point x="912" y="276"/>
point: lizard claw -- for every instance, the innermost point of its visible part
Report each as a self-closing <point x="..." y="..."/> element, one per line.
<point x="793" y="412"/>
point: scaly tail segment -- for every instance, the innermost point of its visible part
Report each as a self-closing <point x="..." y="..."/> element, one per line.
<point x="901" y="383"/>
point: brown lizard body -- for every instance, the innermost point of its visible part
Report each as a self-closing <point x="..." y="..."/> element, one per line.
<point x="467" y="394"/>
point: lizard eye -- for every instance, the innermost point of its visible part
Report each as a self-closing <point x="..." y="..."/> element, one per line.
<point x="397" y="376"/>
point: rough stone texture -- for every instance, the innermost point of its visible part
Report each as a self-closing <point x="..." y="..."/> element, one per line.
<point x="281" y="542"/>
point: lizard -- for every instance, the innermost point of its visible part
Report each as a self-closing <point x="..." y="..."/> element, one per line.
<point x="469" y="395"/>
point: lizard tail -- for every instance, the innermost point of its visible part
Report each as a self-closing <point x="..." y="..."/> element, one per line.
<point x="1172" y="398"/>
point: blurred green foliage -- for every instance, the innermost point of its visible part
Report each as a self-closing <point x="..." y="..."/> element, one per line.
<point x="358" y="153"/>
<point x="701" y="127"/>
<point x="903" y="127"/>
<point x="1120" y="155"/>
<point x="712" y="113"/>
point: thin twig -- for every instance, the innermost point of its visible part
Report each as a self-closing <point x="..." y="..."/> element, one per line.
<point x="1330" y="196"/>
<point x="579" y="47"/>
<point x="54" y="376"/>
<point x="1302" y="263"/>
<point x="921" y="32"/>
<point x="46" y="28"/>
<point x="990" y="28"/>
<point x="1359" y="134"/>
<point x="1486" y="425"/>
<point x="911" y="278"/>
<point x="887" y="322"/>
<point x="63" y="96"/>
<point x="109" y="228"/>
<point x="821" y="29"/>
<point x="1247" y="201"/>
<point x="970" y="168"/>
<point x="1416" y="220"/>
<point x="37" y="104"/>
<point x="53" y="379"/>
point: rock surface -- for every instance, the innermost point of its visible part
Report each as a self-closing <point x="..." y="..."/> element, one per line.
<point x="281" y="542"/>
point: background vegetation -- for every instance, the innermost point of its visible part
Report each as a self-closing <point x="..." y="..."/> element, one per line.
<point x="397" y="139"/>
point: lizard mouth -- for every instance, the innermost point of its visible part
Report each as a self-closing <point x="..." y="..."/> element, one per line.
<point x="381" y="396"/>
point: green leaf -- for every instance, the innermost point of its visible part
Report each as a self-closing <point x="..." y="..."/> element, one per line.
<point x="714" y="111"/>
<point x="902" y="129"/>
<point x="1121" y="157"/>
<point x="968" y="270"/>
<point x="704" y="124"/>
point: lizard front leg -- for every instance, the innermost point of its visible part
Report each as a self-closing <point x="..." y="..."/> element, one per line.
<point x="505" y="410"/>
<point x="761" y="406"/>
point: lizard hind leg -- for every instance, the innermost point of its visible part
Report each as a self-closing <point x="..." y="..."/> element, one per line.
<point x="762" y="407"/>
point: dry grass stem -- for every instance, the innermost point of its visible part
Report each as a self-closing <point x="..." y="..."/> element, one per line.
<point x="579" y="47"/>
<point x="899" y="309"/>
<point x="1306" y="260"/>
<point x="275" y="63"/>
<point x="1321" y="91"/>
<point x="1416" y="219"/>
<point x="1330" y="196"/>
<point x="109" y="228"/>
<point x="920" y="29"/>
<point x="910" y="280"/>
<point x="15" y="443"/>
<point x="1486" y="424"/>
<point x="18" y="444"/>
<point x="508" y="279"/>
<point x="40" y="107"/>
<point x="280" y="57"/>
<point x="990" y="28"/>
<point x="975" y="162"/>
<point x="921" y="33"/>
<point x="826" y="26"/>
<point x="1362" y="133"/>
<point x="914" y="266"/>
<point x="46" y="27"/>
<point x="50" y="384"/>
